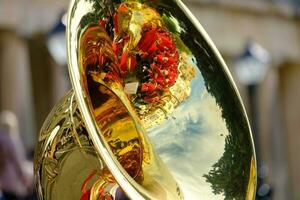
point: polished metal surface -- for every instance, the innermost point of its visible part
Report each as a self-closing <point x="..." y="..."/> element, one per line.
<point x="153" y="114"/>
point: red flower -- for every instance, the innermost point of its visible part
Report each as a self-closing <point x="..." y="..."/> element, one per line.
<point x="156" y="53"/>
<point x="157" y="45"/>
<point x="148" y="87"/>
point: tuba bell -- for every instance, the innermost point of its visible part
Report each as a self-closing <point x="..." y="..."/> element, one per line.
<point x="153" y="112"/>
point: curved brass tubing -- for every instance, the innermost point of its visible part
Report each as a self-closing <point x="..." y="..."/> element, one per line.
<point x="153" y="113"/>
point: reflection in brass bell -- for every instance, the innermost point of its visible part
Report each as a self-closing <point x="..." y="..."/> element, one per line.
<point x="153" y="113"/>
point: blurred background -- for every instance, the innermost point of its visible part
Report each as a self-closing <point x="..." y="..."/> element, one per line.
<point x="259" y="40"/>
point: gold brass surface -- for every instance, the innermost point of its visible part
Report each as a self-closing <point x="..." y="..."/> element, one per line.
<point x="153" y="113"/>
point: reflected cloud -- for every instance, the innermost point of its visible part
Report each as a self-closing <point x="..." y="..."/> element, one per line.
<point x="192" y="140"/>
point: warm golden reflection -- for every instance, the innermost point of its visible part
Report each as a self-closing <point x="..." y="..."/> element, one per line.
<point x="144" y="71"/>
<point x="101" y="70"/>
<point x="135" y="48"/>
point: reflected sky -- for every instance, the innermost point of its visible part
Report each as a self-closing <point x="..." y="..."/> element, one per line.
<point x="191" y="140"/>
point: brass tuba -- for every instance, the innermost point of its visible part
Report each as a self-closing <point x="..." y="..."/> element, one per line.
<point x="153" y="113"/>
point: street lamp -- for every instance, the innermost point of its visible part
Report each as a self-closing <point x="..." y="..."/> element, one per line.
<point x="251" y="68"/>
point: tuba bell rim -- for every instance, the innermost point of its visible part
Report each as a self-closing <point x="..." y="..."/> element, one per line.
<point x="127" y="183"/>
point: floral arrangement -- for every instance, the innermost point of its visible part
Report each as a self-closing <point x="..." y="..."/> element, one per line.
<point x="136" y="48"/>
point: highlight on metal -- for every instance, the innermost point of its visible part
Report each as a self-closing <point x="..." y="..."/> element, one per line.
<point x="153" y="113"/>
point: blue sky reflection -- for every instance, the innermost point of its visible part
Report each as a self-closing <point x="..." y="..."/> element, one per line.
<point x="192" y="140"/>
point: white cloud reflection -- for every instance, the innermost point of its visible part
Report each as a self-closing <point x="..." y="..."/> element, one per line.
<point x="192" y="140"/>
